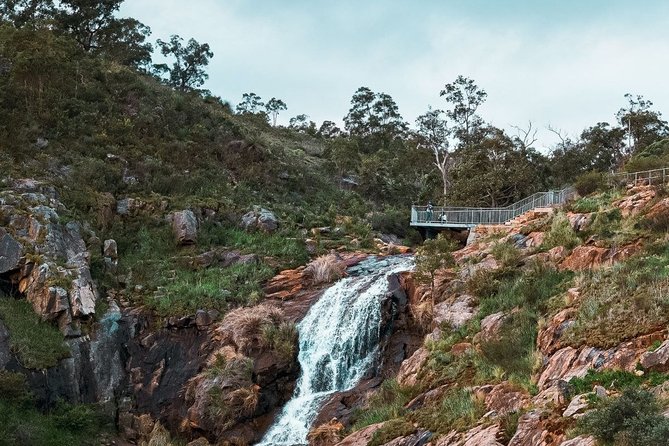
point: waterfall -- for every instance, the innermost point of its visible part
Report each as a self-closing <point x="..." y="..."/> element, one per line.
<point x="339" y="339"/>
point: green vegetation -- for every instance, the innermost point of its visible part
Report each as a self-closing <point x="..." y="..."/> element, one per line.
<point x="386" y="404"/>
<point x="211" y="288"/>
<point x="63" y="425"/>
<point x="458" y="410"/>
<point x="633" y="419"/>
<point x="391" y="430"/>
<point x="624" y="301"/>
<point x="615" y="379"/>
<point x="530" y="290"/>
<point x="286" y="247"/>
<point x="151" y="259"/>
<point x="36" y="344"/>
<point x="589" y="183"/>
<point x="281" y="338"/>
<point x="507" y="253"/>
<point x="586" y="205"/>
<point x="433" y="255"/>
<point x="560" y="234"/>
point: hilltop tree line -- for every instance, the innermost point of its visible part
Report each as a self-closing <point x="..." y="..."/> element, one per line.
<point x="453" y="155"/>
<point x="65" y="73"/>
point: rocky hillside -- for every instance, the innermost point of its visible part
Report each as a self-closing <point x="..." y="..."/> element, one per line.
<point x="181" y="327"/>
<point x="553" y="332"/>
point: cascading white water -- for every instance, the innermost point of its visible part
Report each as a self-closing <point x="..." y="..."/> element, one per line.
<point x="339" y="339"/>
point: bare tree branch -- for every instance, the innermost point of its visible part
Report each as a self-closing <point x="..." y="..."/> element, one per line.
<point x="527" y="136"/>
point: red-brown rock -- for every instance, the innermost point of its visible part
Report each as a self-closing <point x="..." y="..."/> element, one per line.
<point x="361" y="437"/>
<point x="506" y="398"/>
<point x="533" y="430"/>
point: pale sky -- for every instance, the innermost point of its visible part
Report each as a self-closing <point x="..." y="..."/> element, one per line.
<point x="565" y="63"/>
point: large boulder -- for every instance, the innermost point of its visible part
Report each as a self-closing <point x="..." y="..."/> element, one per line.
<point x="455" y="312"/>
<point x="10" y="252"/>
<point x="361" y="437"/>
<point x="260" y="219"/>
<point x="490" y="327"/>
<point x="581" y="440"/>
<point x="534" y="430"/>
<point x="478" y="436"/>
<point x="658" y="359"/>
<point x="637" y="199"/>
<point x="408" y="374"/>
<point x="505" y="398"/>
<point x="184" y="226"/>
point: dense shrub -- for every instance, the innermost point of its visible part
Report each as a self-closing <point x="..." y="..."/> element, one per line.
<point x="633" y="419"/>
<point x="506" y="253"/>
<point x="391" y="221"/>
<point x="561" y="234"/>
<point x="590" y="182"/>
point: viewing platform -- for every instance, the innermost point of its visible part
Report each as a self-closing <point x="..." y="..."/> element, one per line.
<point x="468" y="217"/>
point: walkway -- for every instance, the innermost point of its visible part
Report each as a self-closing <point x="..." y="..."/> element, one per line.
<point x="468" y="217"/>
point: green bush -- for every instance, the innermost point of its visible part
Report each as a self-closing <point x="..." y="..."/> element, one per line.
<point x="607" y="223"/>
<point x="633" y="419"/>
<point x="560" y="234"/>
<point x="391" y="221"/>
<point x="585" y="205"/>
<point x="281" y="338"/>
<point x="507" y="253"/>
<point x="590" y="182"/>
<point x="13" y="386"/>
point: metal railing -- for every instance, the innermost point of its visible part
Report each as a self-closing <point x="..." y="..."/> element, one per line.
<point x="472" y="216"/>
<point x="650" y="177"/>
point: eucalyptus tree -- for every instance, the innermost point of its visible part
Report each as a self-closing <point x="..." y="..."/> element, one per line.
<point x="432" y="134"/>
<point x="374" y="119"/>
<point x="465" y="97"/>
<point x="644" y="125"/>
<point x="273" y="107"/>
<point x="187" y="71"/>
<point x="251" y="103"/>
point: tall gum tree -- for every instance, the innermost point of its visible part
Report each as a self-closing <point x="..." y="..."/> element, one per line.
<point x="432" y="134"/>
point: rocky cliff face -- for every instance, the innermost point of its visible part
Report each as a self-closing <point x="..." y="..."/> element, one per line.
<point x="466" y="335"/>
<point x="45" y="259"/>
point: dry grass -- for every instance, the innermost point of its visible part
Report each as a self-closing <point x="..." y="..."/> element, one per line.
<point x="245" y="327"/>
<point x="423" y="312"/>
<point x="159" y="437"/>
<point x="327" y="434"/>
<point x="325" y="269"/>
<point x="245" y="399"/>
